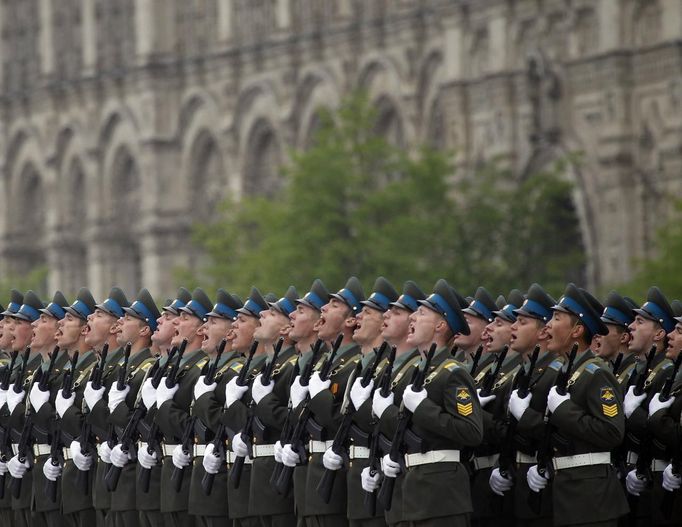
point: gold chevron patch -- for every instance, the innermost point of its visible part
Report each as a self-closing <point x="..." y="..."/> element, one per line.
<point x="465" y="409"/>
<point x="610" y="410"/>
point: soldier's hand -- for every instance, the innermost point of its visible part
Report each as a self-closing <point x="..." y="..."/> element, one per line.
<point x="298" y="392"/>
<point x="317" y="385"/>
<point x="359" y="394"/>
<point x="3" y="468"/>
<point x="390" y="468"/>
<point x="278" y="451"/>
<point x="3" y="397"/>
<point x="17" y="469"/>
<point x="180" y="459"/>
<point x="536" y="481"/>
<point x="517" y="405"/>
<point x="38" y="397"/>
<point x="380" y="403"/>
<point x="52" y="472"/>
<point x="62" y="404"/>
<point x="119" y="458"/>
<point x="233" y="392"/>
<point x="201" y="388"/>
<point x="82" y="462"/>
<point x="260" y="390"/>
<point x="555" y="399"/>
<point x="92" y="396"/>
<point x="656" y="404"/>
<point x="148" y="394"/>
<point x="413" y="399"/>
<point x="289" y="456"/>
<point x="498" y="483"/>
<point x="116" y="396"/>
<point x="484" y="399"/>
<point x="104" y="452"/>
<point x="671" y="481"/>
<point x="331" y="460"/>
<point x="635" y="484"/>
<point x="145" y="459"/>
<point x="14" y="398"/>
<point x="370" y="482"/>
<point x="632" y="401"/>
<point x="212" y="462"/>
<point x="164" y="393"/>
<point x="239" y="446"/>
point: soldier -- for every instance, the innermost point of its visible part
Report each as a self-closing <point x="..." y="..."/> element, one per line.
<point x="446" y="417"/>
<point x="618" y="315"/>
<point x="478" y="314"/>
<point x="16" y="299"/>
<point x="338" y="317"/>
<point x="587" y="421"/>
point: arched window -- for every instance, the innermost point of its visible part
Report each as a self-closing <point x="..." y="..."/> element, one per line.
<point x="263" y="161"/>
<point x="648" y="23"/>
<point x="207" y="178"/>
<point x="21" y="46"/>
<point x="587" y="32"/>
<point x="436" y="134"/>
<point x="389" y="125"/>
<point x="480" y="51"/>
<point x="72" y="253"/>
<point x="68" y="39"/>
<point x="196" y="27"/>
<point x="115" y="35"/>
<point x="254" y="20"/>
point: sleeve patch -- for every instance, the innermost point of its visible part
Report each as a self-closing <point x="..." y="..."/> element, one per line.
<point x="465" y="406"/>
<point x="610" y="410"/>
<point x="607" y="396"/>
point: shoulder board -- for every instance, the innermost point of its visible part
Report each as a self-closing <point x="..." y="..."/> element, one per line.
<point x="507" y="376"/>
<point x="556" y="365"/>
<point x="655" y="371"/>
<point x="591" y="368"/>
<point x="590" y="365"/>
<point x="447" y="364"/>
<point x="84" y="374"/>
<point x="200" y="364"/>
<point x="413" y="363"/>
<point x="143" y="366"/>
<point x="289" y="362"/>
<point x="481" y="374"/>
<point x="346" y="364"/>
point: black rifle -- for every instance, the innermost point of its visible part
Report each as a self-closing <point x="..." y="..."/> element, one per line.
<point x="19" y="380"/>
<point x="642" y="375"/>
<point x="247" y="431"/>
<point x="213" y="368"/>
<point x="384" y="386"/>
<point x="615" y="366"/>
<point x="475" y="359"/>
<point x="55" y="445"/>
<point x="545" y="452"/>
<point x="5" y="451"/>
<point x="326" y="483"/>
<point x="17" y="387"/>
<point x="7" y="372"/>
<point x="669" y="497"/>
<point x="300" y="430"/>
<point x="491" y="375"/>
<point x="523" y="380"/>
<point x="385" y="494"/>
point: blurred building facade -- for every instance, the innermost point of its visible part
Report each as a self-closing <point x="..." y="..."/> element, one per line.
<point x="125" y="121"/>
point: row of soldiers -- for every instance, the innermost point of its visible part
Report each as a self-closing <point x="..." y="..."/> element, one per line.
<point x="338" y="408"/>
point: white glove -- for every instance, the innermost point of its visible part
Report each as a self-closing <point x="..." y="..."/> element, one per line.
<point x="517" y="405"/>
<point x="180" y="459"/>
<point x="536" y="482"/>
<point x="391" y="468"/>
<point x="82" y="462"/>
<point x="104" y="452"/>
<point x="656" y="404"/>
<point x="278" y="452"/>
<point x="3" y="468"/>
<point x="17" y="469"/>
<point x="92" y="396"/>
<point x="412" y="399"/>
<point x="258" y="391"/>
<point x="200" y="388"/>
<point x="148" y="394"/>
<point x="51" y="471"/>
<point x="369" y="483"/>
<point x="38" y="397"/>
<point x="210" y="462"/>
<point x="358" y="394"/>
<point x="632" y="402"/>
<point x="671" y="482"/>
<point x="3" y="397"/>
<point x="14" y="398"/>
<point x="380" y="403"/>
<point x="498" y="483"/>
<point x="554" y="399"/>
<point x="317" y="385"/>
<point x="239" y="447"/>
<point x="119" y="458"/>
<point x="289" y="456"/>
<point x="62" y="404"/>
<point x="145" y="459"/>
<point x="163" y="393"/>
<point x="116" y="396"/>
<point x="633" y="484"/>
<point x="331" y="460"/>
<point x="297" y="392"/>
<point x="484" y="399"/>
<point x="233" y="392"/>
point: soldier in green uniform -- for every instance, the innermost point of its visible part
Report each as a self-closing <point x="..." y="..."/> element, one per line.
<point x="618" y="315"/>
<point x="588" y="421"/>
<point x="338" y="316"/>
<point x="15" y="301"/>
<point x="446" y="416"/>
<point x="529" y="331"/>
<point x="478" y="314"/>
<point x="135" y="327"/>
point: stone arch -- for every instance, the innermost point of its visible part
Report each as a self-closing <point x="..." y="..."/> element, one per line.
<point x="262" y="162"/>
<point x="389" y="123"/>
<point x="431" y="107"/>
<point x="318" y="89"/>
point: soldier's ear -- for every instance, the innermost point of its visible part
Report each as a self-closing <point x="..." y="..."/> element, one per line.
<point x="543" y="333"/>
<point x="145" y="331"/>
<point x="625" y="337"/>
<point x="659" y="335"/>
<point x="350" y="322"/>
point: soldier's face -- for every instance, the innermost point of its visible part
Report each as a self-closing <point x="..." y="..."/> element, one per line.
<point x="561" y="332"/>
<point x="608" y="346"/>
<point x="396" y="325"/>
<point x="674" y="342"/>
<point x="214" y="330"/>
<point x="368" y="326"/>
<point x="186" y="327"/>
<point x="69" y="330"/>
<point x="333" y="319"/>
<point x="643" y="332"/>
<point x="129" y="329"/>
<point x="44" y="332"/>
<point x="476" y="327"/>
<point x="5" y="334"/>
<point x="100" y="325"/>
<point x="524" y="333"/>
<point x="422" y="329"/>
<point x="497" y="334"/>
<point x="243" y="329"/>
<point x="273" y="324"/>
<point x="22" y="332"/>
<point x="164" y="330"/>
<point x="303" y="320"/>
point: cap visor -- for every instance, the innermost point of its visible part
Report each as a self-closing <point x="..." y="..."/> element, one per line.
<point x="503" y="316"/>
<point x="401" y="306"/>
<point x="75" y="313"/>
<point x="134" y="314"/>
<point x="373" y="305"/>
<point x="645" y="314"/>
<point x="473" y="313"/>
<point x="304" y="302"/>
